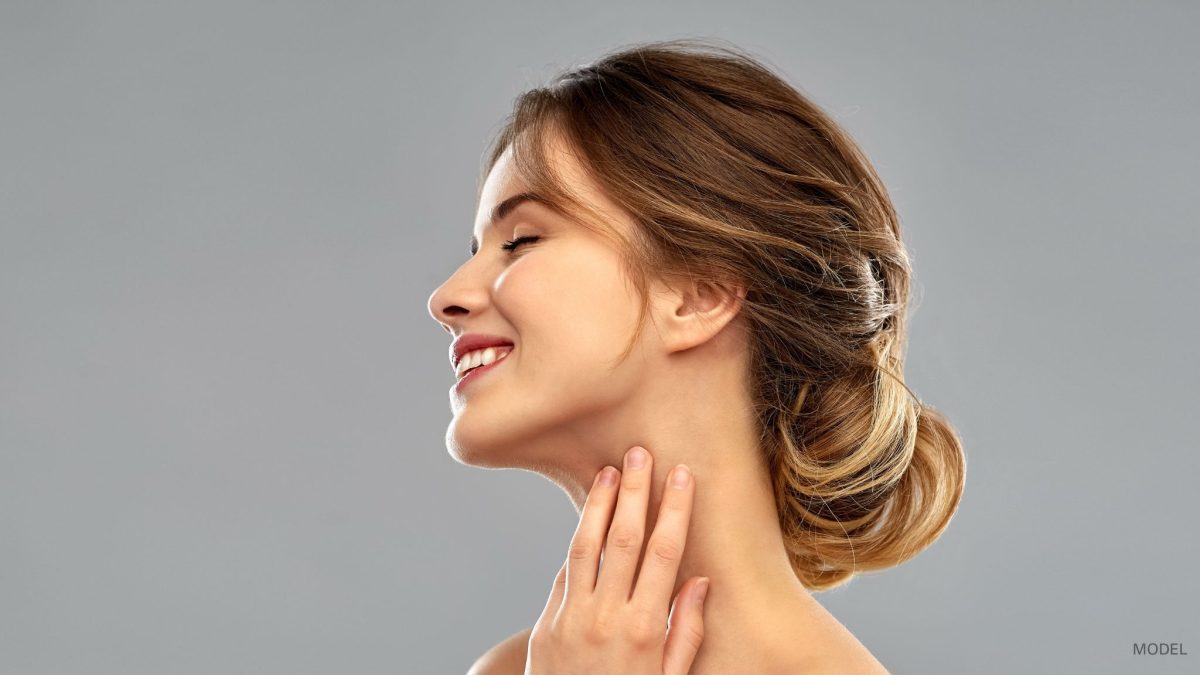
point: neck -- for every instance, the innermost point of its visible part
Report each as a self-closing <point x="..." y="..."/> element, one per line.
<point x="734" y="536"/>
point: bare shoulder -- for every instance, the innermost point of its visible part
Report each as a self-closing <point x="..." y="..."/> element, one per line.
<point x="827" y="647"/>
<point x="506" y="658"/>
<point x="828" y="658"/>
<point x="840" y="653"/>
<point x="847" y="663"/>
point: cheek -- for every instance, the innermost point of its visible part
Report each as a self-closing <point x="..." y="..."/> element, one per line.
<point x="571" y="310"/>
<point x="571" y="317"/>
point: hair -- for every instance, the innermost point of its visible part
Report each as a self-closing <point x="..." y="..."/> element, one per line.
<point x="734" y="177"/>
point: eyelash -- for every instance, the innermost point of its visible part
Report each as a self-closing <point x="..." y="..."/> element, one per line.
<point x="512" y="245"/>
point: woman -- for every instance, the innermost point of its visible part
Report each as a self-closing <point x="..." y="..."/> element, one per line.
<point x="676" y="251"/>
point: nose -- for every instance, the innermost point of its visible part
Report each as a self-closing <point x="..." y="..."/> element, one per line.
<point x="454" y="300"/>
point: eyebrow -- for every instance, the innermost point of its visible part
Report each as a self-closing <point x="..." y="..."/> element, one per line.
<point x="505" y="208"/>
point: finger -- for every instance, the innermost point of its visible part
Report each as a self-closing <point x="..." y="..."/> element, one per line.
<point x="660" y="567"/>
<point x="556" y="594"/>
<point x="686" y="628"/>
<point x="627" y="531"/>
<point x="583" y="558"/>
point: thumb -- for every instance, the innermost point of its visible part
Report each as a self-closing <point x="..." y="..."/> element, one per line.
<point x="685" y="629"/>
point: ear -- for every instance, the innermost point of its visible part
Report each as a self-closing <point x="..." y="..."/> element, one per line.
<point x="691" y="313"/>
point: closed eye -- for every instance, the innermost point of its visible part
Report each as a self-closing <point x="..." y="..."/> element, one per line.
<point x="512" y="245"/>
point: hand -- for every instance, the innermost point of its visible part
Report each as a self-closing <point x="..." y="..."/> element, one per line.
<point x="592" y="623"/>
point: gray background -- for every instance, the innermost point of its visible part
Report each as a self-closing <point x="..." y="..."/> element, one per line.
<point x="223" y="402"/>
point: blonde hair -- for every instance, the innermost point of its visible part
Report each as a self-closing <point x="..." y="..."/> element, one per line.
<point x="733" y="176"/>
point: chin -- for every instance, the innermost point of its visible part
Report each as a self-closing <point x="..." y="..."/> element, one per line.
<point x="524" y="432"/>
<point x="482" y="448"/>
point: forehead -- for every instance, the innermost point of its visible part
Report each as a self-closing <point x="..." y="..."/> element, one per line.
<point x="504" y="184"/>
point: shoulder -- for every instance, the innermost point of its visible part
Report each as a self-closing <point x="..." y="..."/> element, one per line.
<point x="829" y="653"/>
<point x="828" y="646"/>
<point x="506" y="658"/>
<point x="847" y="663"/>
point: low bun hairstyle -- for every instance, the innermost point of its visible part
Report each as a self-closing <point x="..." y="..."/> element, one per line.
<point x="733" y="176"/>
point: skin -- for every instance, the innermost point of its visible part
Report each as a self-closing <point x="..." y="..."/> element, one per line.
<point x="561" y="406"/>
<point x="597" y="619"/>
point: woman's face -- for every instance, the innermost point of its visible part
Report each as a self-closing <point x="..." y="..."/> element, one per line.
<point x="564" y="303"/>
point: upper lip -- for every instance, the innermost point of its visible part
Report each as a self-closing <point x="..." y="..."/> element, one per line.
<point x="471" y="342"/>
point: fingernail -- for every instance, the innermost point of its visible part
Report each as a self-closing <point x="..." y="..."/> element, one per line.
<point x="701" y="589"/>
<point x="679" y="477"/>
<point x="608" y="476"/>
<point x="637" y="458"/>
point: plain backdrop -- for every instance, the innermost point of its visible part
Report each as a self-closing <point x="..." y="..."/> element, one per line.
<point x="223" y="401"/>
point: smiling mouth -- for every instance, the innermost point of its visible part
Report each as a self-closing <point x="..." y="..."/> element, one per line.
<point x="503" y="355"/>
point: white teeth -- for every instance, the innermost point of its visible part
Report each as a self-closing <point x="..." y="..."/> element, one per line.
<point x="481" y="357"/>
<point x="474" y="359"/>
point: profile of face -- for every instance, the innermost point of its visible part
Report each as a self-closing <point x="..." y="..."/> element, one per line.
<point x="565" y="302"/>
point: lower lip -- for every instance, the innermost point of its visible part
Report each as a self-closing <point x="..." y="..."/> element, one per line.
<point x="474" y="373"/>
